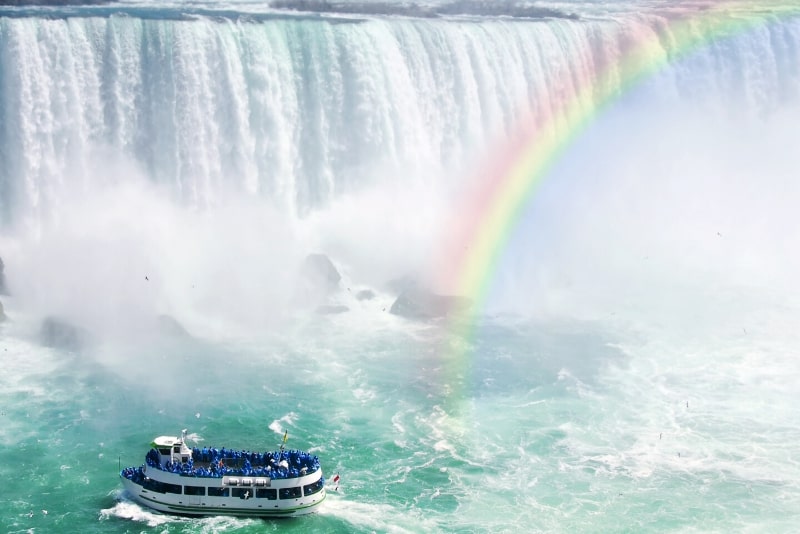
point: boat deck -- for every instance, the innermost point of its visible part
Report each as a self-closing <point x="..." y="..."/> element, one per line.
<point x="217" y="463"/>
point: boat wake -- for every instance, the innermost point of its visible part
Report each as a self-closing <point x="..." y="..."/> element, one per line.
<point x="127" y="509"/>
<point x="377" y="517"/>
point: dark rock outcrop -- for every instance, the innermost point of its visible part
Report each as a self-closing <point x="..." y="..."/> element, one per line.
<point x="3" y="289"/>
<point x="365" y="294"/>
<point x="403" y="284"/>
<point x="420" y="303"/>
<point x="58" y="333"/>
<point x="170" y="327"/>
<point x="330" y="309"/>
<point x="320" y="274"/>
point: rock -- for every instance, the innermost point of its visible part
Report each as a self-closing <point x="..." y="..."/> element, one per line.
<point x="60" y="334"/>
<point x="320" y="273"/>
<point x="2" y="313"/>
<point x="170" y="327"/>
<point x="329" y="309"/>
<point x="365" y="294"/>
<point x="3" y="289"/>
<point x="403" y="284"/>
<point x="420" y="303"/>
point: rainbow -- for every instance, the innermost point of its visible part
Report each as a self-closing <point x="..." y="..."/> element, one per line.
<point x="504" y="190"/>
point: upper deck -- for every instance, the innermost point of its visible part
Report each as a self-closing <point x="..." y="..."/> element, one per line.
<point x="171" y="454"/>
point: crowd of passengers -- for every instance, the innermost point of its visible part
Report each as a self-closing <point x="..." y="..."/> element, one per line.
<point x="134" y="474"/>
<point x="225" y="462"/>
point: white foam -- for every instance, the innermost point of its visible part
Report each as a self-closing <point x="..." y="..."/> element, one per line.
<point x="380" y="517"/>
<point x="125" y="509"/>
<point x="277" y="425"/>
<point x="692" y="406"/>
<point x="396" y="423"/>
<point x="24" y="365"/>
<point x="363" y="395"/>
<point x="213" y="525"/>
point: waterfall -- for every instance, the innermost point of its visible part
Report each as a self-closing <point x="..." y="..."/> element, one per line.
<point x="152" y="140"/>
<point x="300" y="111"/>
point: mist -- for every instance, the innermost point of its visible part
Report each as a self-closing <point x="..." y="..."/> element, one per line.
<point x="659" y="211"/>
<point x="117" y="254"/>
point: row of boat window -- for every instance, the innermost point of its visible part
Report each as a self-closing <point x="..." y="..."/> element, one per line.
<point x="241" y="493"/>
<point x="136" y="475"/>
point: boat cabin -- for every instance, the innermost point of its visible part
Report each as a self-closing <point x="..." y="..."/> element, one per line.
<point x="172" y="449"/>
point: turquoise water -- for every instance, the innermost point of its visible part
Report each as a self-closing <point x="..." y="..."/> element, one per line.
<point x="634" y="366"/>
<point x="564" y="426"/>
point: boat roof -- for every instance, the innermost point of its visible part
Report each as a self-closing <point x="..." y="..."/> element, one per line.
<point x="166" y="441"/>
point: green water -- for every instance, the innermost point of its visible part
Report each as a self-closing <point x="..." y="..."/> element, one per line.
<point x="562" y="427"/>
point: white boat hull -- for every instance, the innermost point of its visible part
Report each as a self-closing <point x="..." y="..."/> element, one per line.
<point x="207" y="505"/>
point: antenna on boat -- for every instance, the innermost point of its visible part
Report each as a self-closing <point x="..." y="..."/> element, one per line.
<point x="183" y="435"/>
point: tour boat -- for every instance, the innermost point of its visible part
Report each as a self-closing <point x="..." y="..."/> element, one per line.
<point x="209" y="481"/>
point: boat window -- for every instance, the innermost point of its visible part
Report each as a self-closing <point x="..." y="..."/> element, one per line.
<point x="153" y="485"/>
<point x="310" y="489"/>
<point x="290" y="493"/>
<point x="164" y="452"/>
<point x="218" y="492"/>
<point x="266" y="493"/>
<point x="194" y="490"/>
<point x="161" y="487"/>
<point x="242" y="493"/>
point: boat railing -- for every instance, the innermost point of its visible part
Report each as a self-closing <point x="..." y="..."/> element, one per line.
<point x="216" y="463"/>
